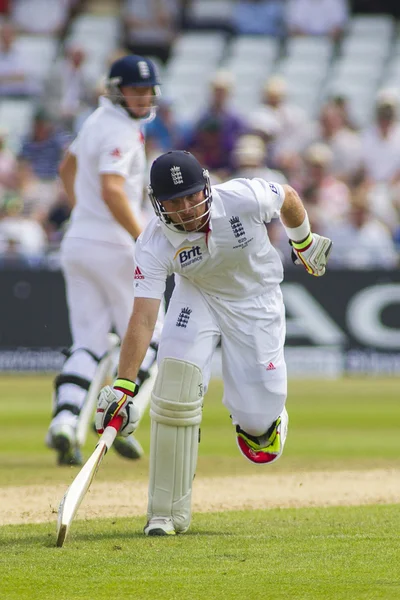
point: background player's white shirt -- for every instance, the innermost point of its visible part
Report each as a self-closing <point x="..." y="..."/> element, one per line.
<point x="109" y="142"/>
<point x="234" y="261"/>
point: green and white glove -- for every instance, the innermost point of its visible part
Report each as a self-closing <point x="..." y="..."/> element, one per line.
<point x="312" y="253"/>
<point x="117" y="400"/>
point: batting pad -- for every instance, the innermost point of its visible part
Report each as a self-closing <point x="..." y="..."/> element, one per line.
<point x="175" y="411"/>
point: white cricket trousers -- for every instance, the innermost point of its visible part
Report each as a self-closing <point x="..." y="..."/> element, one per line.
<point x="99" y="279"/>
<point x="252" y="335"/>
<point x="100" y="291"/>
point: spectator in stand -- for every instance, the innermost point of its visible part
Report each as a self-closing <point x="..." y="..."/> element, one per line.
<point x="381" y="142"/>
<point x="294" y="129"/>
<point x="14" y="80"/>
<point x="265" y="125"/>
<point x="344" y="143"/>
<point x="39" y="158"/>
<point x="23" y="235"/>
<point x="8" y="163"/>
<point x="259" y="17"/>
<point x="41" y="17"/>
<point x="317" y="17"/>
<point x="165" y="132"/>
<point x="361" y="240"/>
<point x="325" y="197"/>
<point x="93" y="99"/>
<point x="44" y="147"/>
<point x="151" y="26"/>
<point x="215" y="133"/>
<point x="250" y="160"/>
<point x="67" y="91"/>
<point x="341" y="102"/>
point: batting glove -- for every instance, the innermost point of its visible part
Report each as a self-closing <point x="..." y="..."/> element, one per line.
<point x="312" y="253"/>
<point x="117" y="400"/>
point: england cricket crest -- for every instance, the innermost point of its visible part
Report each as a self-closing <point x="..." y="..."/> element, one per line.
<point x="237" y="227"/>
<point x="144" y="69"/>
<point x="176" y="175"/>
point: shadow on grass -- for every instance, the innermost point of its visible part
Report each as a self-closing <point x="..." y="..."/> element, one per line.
<point x="48" y="539"/>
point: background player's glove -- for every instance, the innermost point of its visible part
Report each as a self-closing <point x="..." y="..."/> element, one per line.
<point x="117" y="400"/>
<point x="312" y="253"/>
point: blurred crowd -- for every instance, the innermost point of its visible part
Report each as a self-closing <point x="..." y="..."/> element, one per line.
<point x="347" y="175"/>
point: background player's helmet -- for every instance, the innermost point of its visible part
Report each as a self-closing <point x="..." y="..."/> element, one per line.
<point x="132" y="71"/>
<point x="173" y="175"/>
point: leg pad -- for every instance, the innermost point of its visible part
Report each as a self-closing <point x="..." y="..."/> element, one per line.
<point x="176" y="411"/>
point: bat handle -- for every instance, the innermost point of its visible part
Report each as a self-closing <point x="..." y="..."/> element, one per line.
<point x="111" y="431"/>
<point x="116" y="422"/>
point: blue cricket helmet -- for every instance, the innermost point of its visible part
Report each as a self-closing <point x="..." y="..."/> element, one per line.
<point x="175" y="174"/>
<point x="134" y="71"/>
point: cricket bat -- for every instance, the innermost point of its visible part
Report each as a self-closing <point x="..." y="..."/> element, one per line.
<point x="75" y="493"/>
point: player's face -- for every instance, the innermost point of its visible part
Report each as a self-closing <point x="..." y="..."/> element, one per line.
<point x="187" y="211"/>
<point x="139" y="100"/>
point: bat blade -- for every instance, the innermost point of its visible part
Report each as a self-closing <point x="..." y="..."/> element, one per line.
<point x="76" y="492"/>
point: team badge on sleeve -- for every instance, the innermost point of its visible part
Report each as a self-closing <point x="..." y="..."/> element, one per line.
<point x="273" y="188"/>
<point x="116" y="153"/>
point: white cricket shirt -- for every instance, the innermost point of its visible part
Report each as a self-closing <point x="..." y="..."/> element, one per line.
<point x="109" y="142"/>
<point x="234" y="261"/>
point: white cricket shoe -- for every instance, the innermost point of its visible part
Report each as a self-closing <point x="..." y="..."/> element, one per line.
<point x="61" y="437"/>
<point x="159" y="526"/>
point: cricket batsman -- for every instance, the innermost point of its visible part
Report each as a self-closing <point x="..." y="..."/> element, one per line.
<point x="227" y="290"/>
<point x="103" y="175"/>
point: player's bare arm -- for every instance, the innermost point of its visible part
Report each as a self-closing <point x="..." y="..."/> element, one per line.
<point x="292" y="212"/>
<point x="309" y="249"/>
<point x="67" y="172"/>
<point x="114" y="195"/>
<point x="118" y="399"/>
<point x="138" y="336"/>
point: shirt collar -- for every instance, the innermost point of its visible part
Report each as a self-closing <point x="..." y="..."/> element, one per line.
<point x="115" y="108"/>
<point x="177" y="238"/>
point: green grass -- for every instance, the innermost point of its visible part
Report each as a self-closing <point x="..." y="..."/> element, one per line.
<point x="333" y="425"/>
<point x="335" y="553"/>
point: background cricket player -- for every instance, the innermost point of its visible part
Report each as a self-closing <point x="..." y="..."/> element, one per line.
<point x="227" y="290"/>
<point x="103" y="175"/>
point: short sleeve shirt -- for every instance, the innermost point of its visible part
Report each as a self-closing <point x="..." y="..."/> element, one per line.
<point x="235" y="260"/>
<point x="109" y="142"/>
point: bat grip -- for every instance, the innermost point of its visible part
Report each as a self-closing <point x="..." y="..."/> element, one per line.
<point x="116" y="422"/>
<point x="111" y="431"/>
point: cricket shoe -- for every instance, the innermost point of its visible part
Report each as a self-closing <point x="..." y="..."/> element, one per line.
<point x="128" y="447"/>
<point x="266" y="448"/>
<point x="62" y="438"/>
<point x="158" y="526"/>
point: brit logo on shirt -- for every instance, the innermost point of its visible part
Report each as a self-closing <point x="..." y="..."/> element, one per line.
<point x="184" y="317"/>
<point x="237" y="227"/>
<point x="188" y="255"/>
